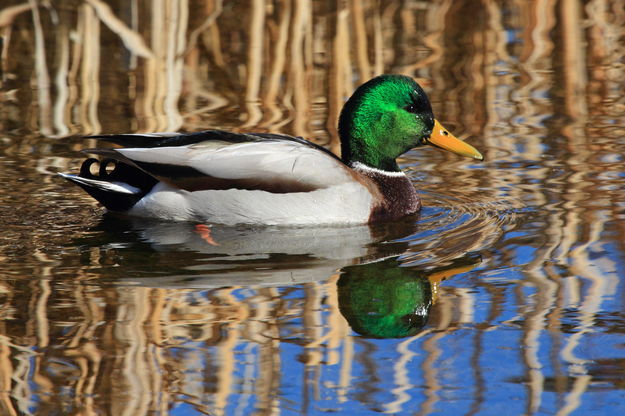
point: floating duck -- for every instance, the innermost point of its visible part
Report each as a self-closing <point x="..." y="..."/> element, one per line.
<point x="274" y="179"/>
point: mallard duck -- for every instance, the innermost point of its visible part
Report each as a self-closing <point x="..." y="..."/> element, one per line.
<point x="261" y="178"/>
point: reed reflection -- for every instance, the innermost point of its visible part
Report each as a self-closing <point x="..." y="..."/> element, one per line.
<point x="539" y="84"/>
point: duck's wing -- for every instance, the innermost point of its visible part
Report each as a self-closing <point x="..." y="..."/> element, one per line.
<point x="215" y="160"/>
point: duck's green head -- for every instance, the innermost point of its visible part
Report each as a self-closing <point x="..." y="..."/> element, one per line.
<point x="387" y="116"/>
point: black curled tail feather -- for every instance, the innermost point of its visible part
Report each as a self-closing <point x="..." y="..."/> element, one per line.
<point x="107" y="186"/>
<point x="121" y="172"/>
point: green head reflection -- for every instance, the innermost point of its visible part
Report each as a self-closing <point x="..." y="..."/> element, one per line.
<point x="384" y="300"/>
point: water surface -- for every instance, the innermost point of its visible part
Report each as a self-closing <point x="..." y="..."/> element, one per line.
<point x="503" y="296"/>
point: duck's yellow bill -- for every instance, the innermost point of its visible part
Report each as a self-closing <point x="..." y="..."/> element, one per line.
<point x="440" y="137"/>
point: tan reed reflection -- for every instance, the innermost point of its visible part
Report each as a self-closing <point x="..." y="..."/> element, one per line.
<point x="41" y="68"/>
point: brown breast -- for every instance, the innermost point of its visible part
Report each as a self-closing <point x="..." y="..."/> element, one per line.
<point x="394" y="195"/>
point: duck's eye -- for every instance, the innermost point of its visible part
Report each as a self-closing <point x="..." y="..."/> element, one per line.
<point x="411" y="108"/>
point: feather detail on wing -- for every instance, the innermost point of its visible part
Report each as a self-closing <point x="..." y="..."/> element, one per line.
<point x="209" y="161"/>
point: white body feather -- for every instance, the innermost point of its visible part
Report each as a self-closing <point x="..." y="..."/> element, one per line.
<point x="348" y="203"/>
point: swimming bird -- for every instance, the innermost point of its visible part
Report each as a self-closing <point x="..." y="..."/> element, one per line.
<point x="231" y="178"/>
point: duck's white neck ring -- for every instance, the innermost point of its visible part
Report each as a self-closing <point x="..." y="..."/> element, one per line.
<point x="363" y="167"/>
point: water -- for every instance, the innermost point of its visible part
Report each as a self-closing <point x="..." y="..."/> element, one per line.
<point x="504" y="296"/>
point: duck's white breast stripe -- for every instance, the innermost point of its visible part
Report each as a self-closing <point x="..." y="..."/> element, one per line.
<point x="363" y="167"/>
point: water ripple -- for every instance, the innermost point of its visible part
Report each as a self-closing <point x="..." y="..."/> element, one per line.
<point x="450" y="227"/>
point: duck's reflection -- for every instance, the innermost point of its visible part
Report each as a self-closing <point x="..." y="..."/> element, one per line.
<point x="204" y="256"/>
<point x="378" y="297"/>
<point x="385" y="300"/>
